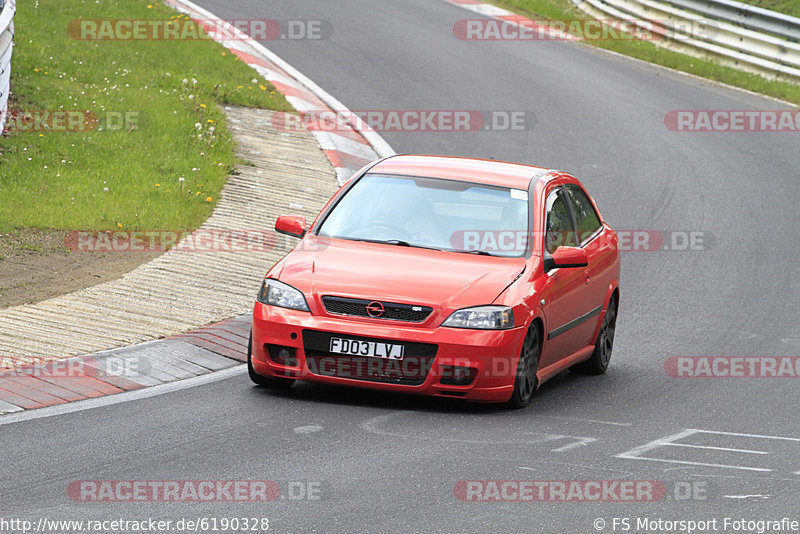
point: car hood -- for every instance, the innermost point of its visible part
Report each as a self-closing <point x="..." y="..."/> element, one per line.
<point x="322" y="266"/>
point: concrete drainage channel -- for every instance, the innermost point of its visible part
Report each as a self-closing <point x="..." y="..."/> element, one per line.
<point x="289" y="172"/>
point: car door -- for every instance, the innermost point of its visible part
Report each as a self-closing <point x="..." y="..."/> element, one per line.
<point x="600" y="253"/>
<point x="567" y="307"/>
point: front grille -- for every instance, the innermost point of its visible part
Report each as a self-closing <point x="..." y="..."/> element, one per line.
<point x="412" y="370"/>
<point x="371" y="308"/>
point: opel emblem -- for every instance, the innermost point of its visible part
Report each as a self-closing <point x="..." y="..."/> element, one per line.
<point x="375" y="309"/>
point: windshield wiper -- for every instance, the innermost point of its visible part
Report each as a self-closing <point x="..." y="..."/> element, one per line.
<point x="395" y="242"/>
<point x="475" y="252"/>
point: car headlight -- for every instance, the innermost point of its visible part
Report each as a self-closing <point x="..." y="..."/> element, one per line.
<point x="482" y="318"/>
<point x="277" y="293"/>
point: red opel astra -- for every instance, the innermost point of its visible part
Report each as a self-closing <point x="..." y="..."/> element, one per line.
<point x="442" y="276"/>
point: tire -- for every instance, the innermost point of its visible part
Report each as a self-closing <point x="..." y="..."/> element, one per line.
<point x="264" y="381"/>
<point x="525" y="383"/>
<point x="598" y="362"/>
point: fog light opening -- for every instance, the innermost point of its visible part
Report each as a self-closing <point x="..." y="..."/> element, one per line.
<point x="454" y="375"/>
<point x="282" y="355"/>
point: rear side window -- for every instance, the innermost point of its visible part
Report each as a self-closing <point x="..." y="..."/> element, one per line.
<point x="586" y="217"/>
<point x="559" y="224"/>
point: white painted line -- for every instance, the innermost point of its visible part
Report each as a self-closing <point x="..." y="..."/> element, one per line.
<point x="584" y="420"/>
<point x="702" y="464"/>
<point x="655" y="444"/>
<point x="714" y="448"/>
<point x="582" y="442"/>
<point x="307" y="429"/>
<point x="636" y="454"/>
<point x="488" y="10"/>
<point x="746" y="496"/>
<point x="127" y="396"/>
<point x="761" y="436"/>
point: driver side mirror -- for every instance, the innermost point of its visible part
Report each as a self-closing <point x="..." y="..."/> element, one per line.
<point x="567" y="257"/>
<point x="292" y="225"/>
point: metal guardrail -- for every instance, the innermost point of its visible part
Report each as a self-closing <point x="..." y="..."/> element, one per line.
<point x="7" y="10"/>
<point x="741" y="35"/>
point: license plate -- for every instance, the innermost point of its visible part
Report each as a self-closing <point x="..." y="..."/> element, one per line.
<point x="371" y="349"/>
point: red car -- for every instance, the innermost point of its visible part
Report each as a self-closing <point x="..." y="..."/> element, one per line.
<point x="442" y="276"/>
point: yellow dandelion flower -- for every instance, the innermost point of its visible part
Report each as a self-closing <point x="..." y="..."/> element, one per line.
<point x="224" y="53"/>
<point x="35" y="70"/>
<point x="202" y="105"/>
<point x="262" y="87"/>
<point x="158" y="185"/>
<point x="120" y="225"/>
<point x="209" y="199"/>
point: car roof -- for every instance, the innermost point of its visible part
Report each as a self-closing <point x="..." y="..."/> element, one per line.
<point x="485" y="171"/>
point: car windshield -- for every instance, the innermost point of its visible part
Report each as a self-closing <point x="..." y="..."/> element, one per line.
<point x="432" y="213"/>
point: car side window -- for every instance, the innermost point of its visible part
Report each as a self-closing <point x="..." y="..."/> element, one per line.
<point x="559" y="223"/>
<point x="586" y="218"/>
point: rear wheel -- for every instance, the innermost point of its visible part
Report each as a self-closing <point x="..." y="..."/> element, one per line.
<point x="598" y="363"/>
<point x="264" y="381"/>
<point x="525" y="382"/>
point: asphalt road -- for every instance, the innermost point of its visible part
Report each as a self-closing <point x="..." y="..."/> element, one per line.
<point x="390" y="463"/>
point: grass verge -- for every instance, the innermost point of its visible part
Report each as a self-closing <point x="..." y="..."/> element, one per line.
<point x="159" y="120"/>
<point x="648" y="51"/>
<point x="787" y="7"/>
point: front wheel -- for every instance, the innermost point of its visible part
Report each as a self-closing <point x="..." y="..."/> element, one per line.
<point x="598" y="363"/>
<point x="264" y="381"/>
<point x="525" y="382"/>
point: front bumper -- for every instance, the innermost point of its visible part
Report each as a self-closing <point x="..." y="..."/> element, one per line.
<point x="490" y="355"/>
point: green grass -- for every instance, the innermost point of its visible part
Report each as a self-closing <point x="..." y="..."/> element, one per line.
<point x="648" y="51"/>
<point x="30" y="247"/>
<point x="103" y="179"/>
<point x="789" y="7"/>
